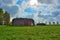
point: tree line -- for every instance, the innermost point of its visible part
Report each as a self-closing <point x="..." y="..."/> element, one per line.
<point x="4" y="17"/>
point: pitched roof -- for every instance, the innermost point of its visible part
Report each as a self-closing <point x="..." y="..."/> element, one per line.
<point x="23" y="19"/>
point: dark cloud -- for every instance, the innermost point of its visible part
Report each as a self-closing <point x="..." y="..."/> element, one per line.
<point x="55" y="13"/>
<point x="7" y="1"/>
<point x="12" y="9"/>
<point x="45" y="1"/>
<point x="59" y="1"/>
<point x="57" y="7"/>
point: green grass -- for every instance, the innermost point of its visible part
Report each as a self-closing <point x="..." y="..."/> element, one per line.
<point x="30" y="32"/>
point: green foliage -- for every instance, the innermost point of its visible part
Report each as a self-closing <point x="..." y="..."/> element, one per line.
<point x="30" y="32"/>
<point x="1" y="14"/>
<point x="6" y="18"/>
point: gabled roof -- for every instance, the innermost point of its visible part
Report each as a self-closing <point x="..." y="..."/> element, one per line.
<point x="24" y="18"/>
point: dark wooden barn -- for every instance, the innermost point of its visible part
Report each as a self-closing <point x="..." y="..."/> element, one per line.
<point x="23" y="21"/>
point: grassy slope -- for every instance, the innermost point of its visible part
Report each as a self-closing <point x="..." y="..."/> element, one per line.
<point x="30" y="33"/>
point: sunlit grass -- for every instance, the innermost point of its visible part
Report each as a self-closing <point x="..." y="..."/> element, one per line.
<point x="30" y="32"/>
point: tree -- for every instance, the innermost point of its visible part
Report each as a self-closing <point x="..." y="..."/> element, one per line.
<point x="50" y="23"/>
<point x="57" y="22"/>
<point x="1" y="16"/>
<point x="41" y="24"/>
<point x="6" y="18"/>
<point x="53" y="22"/>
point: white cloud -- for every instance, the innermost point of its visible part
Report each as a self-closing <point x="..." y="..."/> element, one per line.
<point x="10" y="6"/>
<point x="50" y="8"/>
<point x="47" y="1"/>
<point x="23" y="6"/>
<point x="9" y="2"/>
<point x="33" y="2"/>
<point x="45" y="6"/>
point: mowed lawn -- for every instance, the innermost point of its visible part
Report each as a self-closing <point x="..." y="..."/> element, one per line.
<point x="29" y="32"/>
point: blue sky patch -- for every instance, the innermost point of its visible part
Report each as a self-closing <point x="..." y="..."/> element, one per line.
<point x="29" y="10"/>
<point x="20" y="1"/>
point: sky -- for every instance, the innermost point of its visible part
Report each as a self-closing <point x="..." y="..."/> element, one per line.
<point x="39" y="10"/>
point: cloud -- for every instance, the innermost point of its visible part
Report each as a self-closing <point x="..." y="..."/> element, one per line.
<point x="26" y="10"/>
<point x="58" y="1"/>
<point x="11" y="9"/>
<point x="33" y="2"/>
<point x="10" y="6"/>
<point x="47" y="1"/>
<point x="40" y="11"/>
<point x="15" y="9"/>
<point x="56" y="13"/>
<point x="57" y="7"/>
<point x="50" y="13"/>
<point x="9" y="2"/>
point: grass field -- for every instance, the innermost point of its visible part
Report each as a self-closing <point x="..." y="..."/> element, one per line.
<point x="29" y="32"/>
